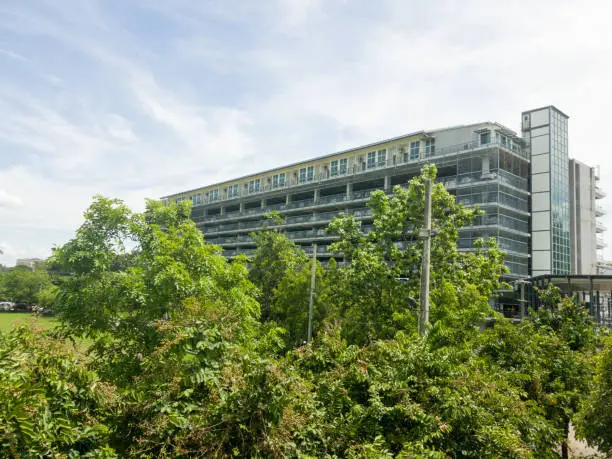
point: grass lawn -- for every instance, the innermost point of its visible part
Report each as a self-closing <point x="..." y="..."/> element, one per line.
<point x="9" y="319"/>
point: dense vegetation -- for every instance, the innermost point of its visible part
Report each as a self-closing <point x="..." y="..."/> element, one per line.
<point x="190" y="355"/>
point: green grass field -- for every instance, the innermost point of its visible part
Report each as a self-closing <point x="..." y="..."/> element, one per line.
<point x="9" y="319"/>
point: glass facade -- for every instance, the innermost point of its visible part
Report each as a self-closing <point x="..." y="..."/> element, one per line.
<point x="559" y="193"/>
<point x="495" y="179"/>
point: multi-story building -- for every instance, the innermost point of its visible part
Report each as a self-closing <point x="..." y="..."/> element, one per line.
<point x="29" y="262"/>
<point x="484" y="164"/>
<point x="585" y="229"/>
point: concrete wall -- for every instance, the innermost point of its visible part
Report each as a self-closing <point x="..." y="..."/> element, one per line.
<point x="582" y="217"/>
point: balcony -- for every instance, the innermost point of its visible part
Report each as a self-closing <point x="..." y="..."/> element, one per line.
<point x="599" y="211"/>
<point x="355" y="169"/>
<point x="600" y="227"/>
<point x="292" y="220"/>
<point x="599" y="193"/>
<point x="601" y="243"/>
<point x="328" y="200"/>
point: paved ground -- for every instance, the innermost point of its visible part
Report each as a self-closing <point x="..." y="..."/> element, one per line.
<point x="581" y="449"/>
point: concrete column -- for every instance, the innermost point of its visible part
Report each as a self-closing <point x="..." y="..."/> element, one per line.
<point x="263" y="203"/>
<point x="349" y="190"/>
<point x="222" y="211"/>
<point x="387" y="183"/>
<point x="288" y="200"/>
<point x="485" y="165"/>
<point x="241" y="206"/>
<point x="317" y="192"/>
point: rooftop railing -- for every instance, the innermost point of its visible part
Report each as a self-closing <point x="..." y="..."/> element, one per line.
<point x="399" y="159"/>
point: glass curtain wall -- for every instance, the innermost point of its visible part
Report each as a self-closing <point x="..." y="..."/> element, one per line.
<point x="496" y="181"/>
<point x="559" y="194"/>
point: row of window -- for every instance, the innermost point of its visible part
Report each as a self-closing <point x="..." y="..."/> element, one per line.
<point x="337" y="167"/>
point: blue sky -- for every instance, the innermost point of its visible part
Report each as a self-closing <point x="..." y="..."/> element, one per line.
<point x="140" y="98"/>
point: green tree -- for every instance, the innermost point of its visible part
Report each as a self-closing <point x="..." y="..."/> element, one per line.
<point x="23" y="284"/>
<point x="291" y="302"/>
<point x="549" y="356"/>
<point x="170" y="265"/>
<point x="276" y="257"/>
<point x="50" y="404"/>
<point x="372" y="303"/>
<point x="594" y="422"/>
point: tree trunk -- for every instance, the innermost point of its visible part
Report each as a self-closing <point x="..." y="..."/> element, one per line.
<point x="564" y="446"/>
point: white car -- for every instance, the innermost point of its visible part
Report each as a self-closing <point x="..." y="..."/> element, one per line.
<point x="6" y="306"/>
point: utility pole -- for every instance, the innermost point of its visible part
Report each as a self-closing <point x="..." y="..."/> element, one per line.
<point x="426" y="235"/>
<point x="312" y="290"/>
<point x="523" y="311"/>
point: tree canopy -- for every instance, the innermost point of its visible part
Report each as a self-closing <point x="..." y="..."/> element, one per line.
<point x="181" y="359"/>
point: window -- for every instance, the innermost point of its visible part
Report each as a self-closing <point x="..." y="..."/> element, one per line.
<point x="343" y="166"/>
<point x="198" y="199"/>
<point x="281" y="179"/>
<point x="302" y="175"/>
<point x="430" y="147"/>
<point x="232" y="191"/>
<point x="414" y="150"/>
<point x="275" y="181"/>
<point x="214" y="195"/>
<point x="371" y="159"/>
<point x="310" y="173"/>
<point x="485" y="138"/>
<point x="254" y="186"/>
<point x="382" y="157"/>
<point x="333" y="168"/>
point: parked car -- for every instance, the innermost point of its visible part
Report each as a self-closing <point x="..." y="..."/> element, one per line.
<point x="7" y="306"/>
<point x="22" y="307"/>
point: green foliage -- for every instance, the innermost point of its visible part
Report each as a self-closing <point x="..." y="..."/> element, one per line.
<point x="169" y="266"/>
<point x="549" y="357"/>
<point x="291" y="302"/>
<point x="594" y="422"/>
<point x="185" y="365"/>
<point x="371" y="302"/>
<point x="275" y="258"/>
<point x="49" y="404"/>
<point x="402" y="397"/>
<point x="25" y="285"/>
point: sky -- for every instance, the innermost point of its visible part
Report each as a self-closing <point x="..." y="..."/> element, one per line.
<point x="138" y="99"/>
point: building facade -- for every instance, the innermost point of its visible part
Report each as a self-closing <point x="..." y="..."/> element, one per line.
<point x="586" y="232"/>
<point x="484" y="164"/>
<point x="29" y="262"/>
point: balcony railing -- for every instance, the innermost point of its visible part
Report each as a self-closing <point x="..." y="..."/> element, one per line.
<point x="359" y="169"/>
<point x="360" y="213"/>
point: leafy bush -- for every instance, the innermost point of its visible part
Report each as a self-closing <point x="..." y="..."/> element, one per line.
<point x="50" y="405"/>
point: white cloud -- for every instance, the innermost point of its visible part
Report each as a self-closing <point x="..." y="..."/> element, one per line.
<point x="12" y="55"/>
<point x="94" y="101"/>
<point x="9" y="200"/>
